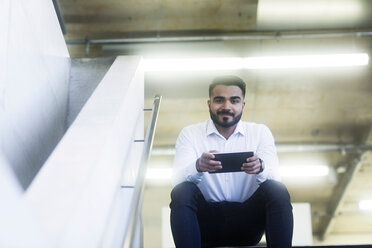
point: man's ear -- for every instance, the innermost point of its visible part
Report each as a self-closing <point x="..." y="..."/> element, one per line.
<point x="209" y="103"/>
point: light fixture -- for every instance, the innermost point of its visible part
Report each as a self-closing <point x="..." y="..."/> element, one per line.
<point x="365" y="204"/>
<point x="304" y="171"/>
<point x="268" y="62"/>
<point x="306" y="61"/>
<point x="279" y="13"/>
<point x="193" y="64"/>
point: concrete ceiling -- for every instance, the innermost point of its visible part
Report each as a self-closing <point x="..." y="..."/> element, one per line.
<point x="308" y="107"/>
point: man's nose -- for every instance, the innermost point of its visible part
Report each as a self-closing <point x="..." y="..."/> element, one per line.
<point x="226" y="105"/>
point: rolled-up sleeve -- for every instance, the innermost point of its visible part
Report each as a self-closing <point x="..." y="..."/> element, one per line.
<point x="184" y="168"/>
<point x="266" y="151"/>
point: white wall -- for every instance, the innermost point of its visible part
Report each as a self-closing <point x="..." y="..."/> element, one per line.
<point x="302" y="227"/>
<point x="34" y="70"/>
<point x="76" y="200"/>
<point x="17" y="226"/>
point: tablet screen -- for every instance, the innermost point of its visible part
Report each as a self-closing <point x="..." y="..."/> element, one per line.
<point x="231" y="162"/>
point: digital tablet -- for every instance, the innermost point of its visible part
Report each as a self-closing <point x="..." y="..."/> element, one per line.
<point x="231" y="162"/>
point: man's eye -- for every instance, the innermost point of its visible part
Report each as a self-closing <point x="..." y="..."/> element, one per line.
<point x="218" y="100"/>
<point x="234" y="101"/>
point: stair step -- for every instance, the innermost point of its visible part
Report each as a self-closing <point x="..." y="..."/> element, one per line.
<point x="311" y="246"/>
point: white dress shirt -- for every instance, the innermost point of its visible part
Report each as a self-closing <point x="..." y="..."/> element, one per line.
<point x="236" y="186"/>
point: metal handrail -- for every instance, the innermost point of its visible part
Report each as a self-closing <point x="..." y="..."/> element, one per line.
<point x="231" y="35"/>
<point x="140" y="184"/>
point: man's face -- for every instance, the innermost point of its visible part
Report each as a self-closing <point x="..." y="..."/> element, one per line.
<point x="226" y="105"/>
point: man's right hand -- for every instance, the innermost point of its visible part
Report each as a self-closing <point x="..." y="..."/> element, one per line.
<point x="206" y="163"/>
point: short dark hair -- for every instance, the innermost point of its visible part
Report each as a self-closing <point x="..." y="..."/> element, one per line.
<point x="228" y="80"/>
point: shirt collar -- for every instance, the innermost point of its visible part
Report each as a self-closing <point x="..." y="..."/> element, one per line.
<point x="211" y="128"/>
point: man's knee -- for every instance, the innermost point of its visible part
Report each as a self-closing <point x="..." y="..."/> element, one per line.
<point x="184" y="194"/>
<point x="276" y="191"/>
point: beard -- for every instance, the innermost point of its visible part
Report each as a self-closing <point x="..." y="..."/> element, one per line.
<point x="225" y="123"/>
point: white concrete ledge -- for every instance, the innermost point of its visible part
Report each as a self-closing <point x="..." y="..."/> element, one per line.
<point x="73" y="194"/>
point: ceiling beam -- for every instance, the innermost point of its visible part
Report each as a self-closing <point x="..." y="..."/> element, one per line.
<point x="342" y="188"/>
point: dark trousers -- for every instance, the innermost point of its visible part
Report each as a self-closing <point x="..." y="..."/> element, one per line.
<point x="198" y="223"/>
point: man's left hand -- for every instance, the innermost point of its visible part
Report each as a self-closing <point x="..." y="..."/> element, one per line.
<point x="252" y="166"/>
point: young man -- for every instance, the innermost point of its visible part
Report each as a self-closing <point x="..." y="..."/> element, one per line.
<point x="225" y="209"/>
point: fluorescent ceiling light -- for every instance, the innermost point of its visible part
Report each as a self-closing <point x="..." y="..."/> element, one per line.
<point x="193" y="64"/>
<point x="159" y="174"/>
<point x="279" y="13"/>
<point x="236" y="63"/>
<point x="304" y="171"/>
<point x="331" y="60"/>
<point x="365" y="204"/>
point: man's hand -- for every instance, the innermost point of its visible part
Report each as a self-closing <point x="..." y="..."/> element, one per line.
<point x="252" y="166"/>
<point x="206" y="164"/>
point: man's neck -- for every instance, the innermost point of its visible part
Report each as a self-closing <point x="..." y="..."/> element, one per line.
<point x="225" y="131"/>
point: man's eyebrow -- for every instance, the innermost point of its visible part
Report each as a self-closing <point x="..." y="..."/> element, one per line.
<point x="235" y="97"/>
<point x="218" y="97"/>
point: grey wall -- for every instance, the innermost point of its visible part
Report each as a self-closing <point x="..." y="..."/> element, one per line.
<point x="34" y="70"/>
<point x="85" y="75"/>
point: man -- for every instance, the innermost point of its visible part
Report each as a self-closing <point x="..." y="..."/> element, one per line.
<point x="225" y="209"/>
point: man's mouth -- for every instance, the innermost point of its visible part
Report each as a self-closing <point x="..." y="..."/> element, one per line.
<point x="225" y="114"/>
